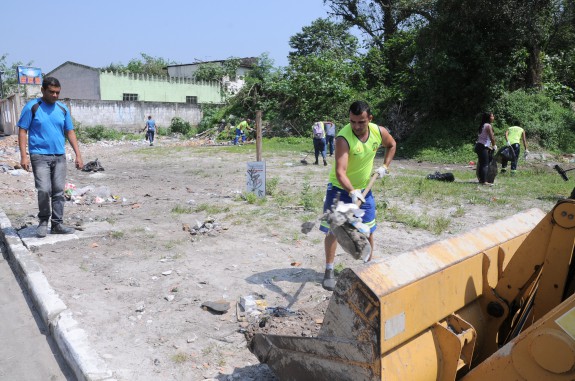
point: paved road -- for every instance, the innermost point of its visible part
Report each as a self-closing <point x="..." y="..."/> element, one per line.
<point x="26" y="353"/>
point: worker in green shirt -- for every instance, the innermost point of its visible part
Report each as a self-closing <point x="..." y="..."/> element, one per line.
<point x="514" y="135"/>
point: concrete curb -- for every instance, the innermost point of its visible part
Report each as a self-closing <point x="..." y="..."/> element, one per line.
<point x="68" y="336"/>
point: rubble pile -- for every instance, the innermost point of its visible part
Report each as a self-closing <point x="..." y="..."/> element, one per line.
<point x="209" y="227"/>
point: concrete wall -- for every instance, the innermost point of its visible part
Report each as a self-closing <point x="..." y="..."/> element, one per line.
<point x="78" y="81"/>
<point x="157" y="89"/>
<point x="10" y="109"/>
<point x="119" y="115"/>
<point x="131" y="116"/>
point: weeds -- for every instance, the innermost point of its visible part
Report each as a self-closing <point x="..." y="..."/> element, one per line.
<point x="310" y="199"/>
<point x="180" y="358"/>
<point x="272" y="186"/>
<point x="116" y="234"/>
<point x="178" y="209"/>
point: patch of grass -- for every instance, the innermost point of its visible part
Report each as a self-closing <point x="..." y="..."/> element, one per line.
<point x="116" y="234"/>
<point x="178" y="209"/>
<point x="282" y="198"/>
<point x="287" y="144"/>
<point x="251" y="198"/>
<point x="99" y="132"/>
<point x="459" y="212"/>
<point x="272" y="186"/>
<point x="180" y="358"/>
<point x="310" y="198"/>
<point x="211" y="209"/>
<point x="439" y="225"/>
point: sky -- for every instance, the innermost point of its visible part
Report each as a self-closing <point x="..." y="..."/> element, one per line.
<point x="98" y="33"/>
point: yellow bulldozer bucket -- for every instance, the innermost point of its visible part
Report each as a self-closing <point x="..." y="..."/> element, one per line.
<point x="432" y="313"/>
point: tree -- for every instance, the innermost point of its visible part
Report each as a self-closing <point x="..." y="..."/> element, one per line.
<point x="324" y="37"/>
<point x="381" y="20"/>
<point x="212" y="71"/>
<point x="144" y="65"/>
<point x="10" y="76"/>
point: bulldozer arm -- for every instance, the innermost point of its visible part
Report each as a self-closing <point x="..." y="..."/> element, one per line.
<point x="446" y="310"/>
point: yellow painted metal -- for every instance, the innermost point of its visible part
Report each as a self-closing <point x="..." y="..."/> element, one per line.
<point x="444" y="309"/>
<point x="422" y="315"/>
<point x="543" y="352"/>
<point x="553" y="279"/>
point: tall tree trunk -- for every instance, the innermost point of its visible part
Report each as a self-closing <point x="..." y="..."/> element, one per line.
<point x="534" y="66"/>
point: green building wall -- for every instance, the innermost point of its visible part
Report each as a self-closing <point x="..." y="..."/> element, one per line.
<point x="156" y="88"/>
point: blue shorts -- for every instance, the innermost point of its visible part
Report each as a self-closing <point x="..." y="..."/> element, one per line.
<point x="369" y="206"/>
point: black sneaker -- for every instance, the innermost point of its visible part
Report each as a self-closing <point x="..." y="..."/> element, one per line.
<point x="329" y="280"/>
<point x="324" y="163"/>
<point x="61" y="229"/>
<point x="42" y="229"/>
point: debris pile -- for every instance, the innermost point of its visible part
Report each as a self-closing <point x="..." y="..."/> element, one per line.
<point x="209" y="227"/>
<point x="282" y="321"/>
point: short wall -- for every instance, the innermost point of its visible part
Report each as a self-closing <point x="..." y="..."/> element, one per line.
<point x="118" y="115"/>
<point x="130" y="116"/>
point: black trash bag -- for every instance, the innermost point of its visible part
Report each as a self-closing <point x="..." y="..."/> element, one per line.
<point x="447" y="176"/>
<point x="92" y="166"/>
<point x="505" y="152"/>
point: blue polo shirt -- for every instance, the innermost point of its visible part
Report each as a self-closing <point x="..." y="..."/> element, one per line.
<point x="46" y="132"/>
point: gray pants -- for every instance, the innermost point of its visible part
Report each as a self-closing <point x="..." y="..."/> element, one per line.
<point x="50" y="178"/>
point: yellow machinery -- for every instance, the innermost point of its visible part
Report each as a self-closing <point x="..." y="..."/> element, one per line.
<point x="491" y="304"/>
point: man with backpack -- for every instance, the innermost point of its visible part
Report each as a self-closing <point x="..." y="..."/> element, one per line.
<point x="151" y="129"/>
<point x="319" y="141"/>
<point x="44" y="125"/>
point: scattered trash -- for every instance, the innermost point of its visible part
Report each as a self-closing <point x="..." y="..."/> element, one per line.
<point x="207" y="227"/>
<point x="279" y="311"/>
<point x="69" y="190"/>
<point x="92" y="166"/>
<point x="252" y="303"/>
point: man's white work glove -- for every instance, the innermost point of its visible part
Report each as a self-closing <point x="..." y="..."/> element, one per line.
<point x="509" y="144"/>
<point x="356" y="196"/>
<point x="525" y="154"/>
<point x="382" y="171"/>
<point x="495" y="148"/>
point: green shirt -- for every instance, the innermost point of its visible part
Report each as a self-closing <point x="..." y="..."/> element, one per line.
<point x="243" y="125"/>
<point x="514" y="134"/>
<point x="361" y="155"/>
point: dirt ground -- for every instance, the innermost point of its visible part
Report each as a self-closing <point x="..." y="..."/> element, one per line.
<point x="138" y="288"/>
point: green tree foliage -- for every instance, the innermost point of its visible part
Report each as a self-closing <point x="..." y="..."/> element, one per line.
<point x="546" y="122"/>
<point x="315" y="87"/>
<point x="216" y="71"/>
<point x="146" y="64"/>
<point x="10" y="76"/>
<point x="318" y="83"/>
<point x="324" y="37"/>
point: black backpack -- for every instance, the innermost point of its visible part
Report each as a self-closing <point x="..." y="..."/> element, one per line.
<point x="35" y="108"/>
